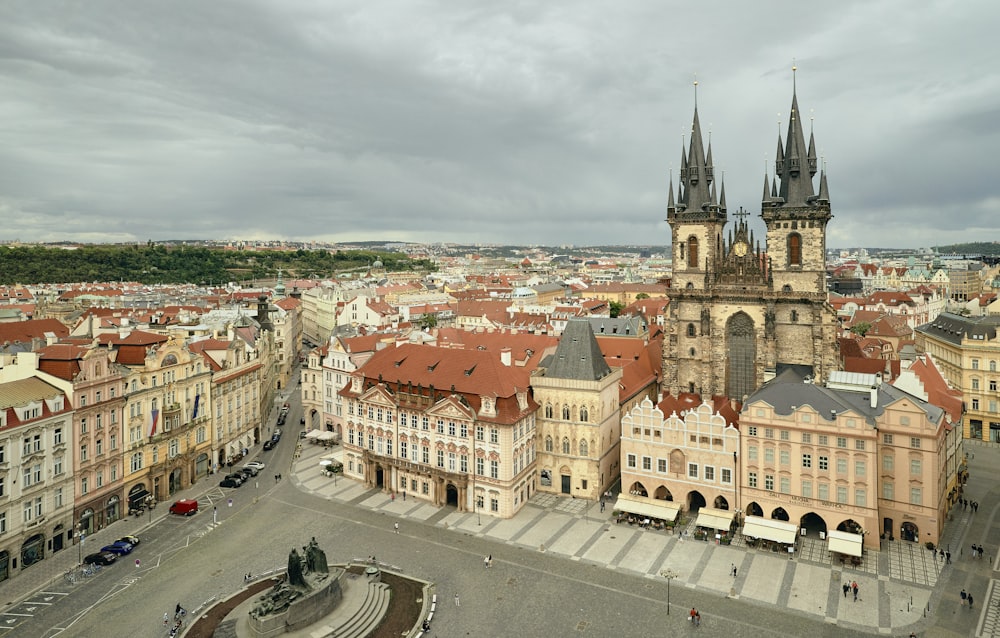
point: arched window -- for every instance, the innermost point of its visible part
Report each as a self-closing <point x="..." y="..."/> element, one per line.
<point x="692" y="252"/>
<point x="795" y="249"/>
<point x="548" y="411"/>
<point x="786" y="288"/>
<point x="584" y="414"/>
<point x="583" y="447"/>
<point x="565" y="413"/>
<point x="548" y="444"/>
<point x="795" y="315"/>
<point x="565" y="446"/>
<point x="993" y="366"/>
<point x="691" y="330"/>
<point x="691" y="352"/>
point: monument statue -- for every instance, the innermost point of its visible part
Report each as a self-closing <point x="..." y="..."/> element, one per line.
<point x="296" y="578"/>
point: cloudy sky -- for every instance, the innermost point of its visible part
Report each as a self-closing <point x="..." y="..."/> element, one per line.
<point x="554" y="122"/>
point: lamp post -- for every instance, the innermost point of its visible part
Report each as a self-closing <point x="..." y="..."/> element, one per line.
<point x="669" y="574"/>
<point x="80" y="536"/>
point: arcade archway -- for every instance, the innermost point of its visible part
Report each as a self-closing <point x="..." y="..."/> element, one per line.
<point x="695" y="501"/>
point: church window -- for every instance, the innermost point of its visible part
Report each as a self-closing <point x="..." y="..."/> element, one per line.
<point x="691" y="331"/>
<point x="583" y="447"/>
<point x="692" y="252"/>
<point x="565" y="446"/>
<point x="584" y="415"/>
<point x="565" y="413"/>
<point x="548" y="411"/>
<point x="742" y="351"/>
<point x="795" y="249"/>
<point x="689" y="286"/>
<point x="548" y="444"/>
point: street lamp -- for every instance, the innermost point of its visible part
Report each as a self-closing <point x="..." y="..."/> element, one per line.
<point x="669" y="574"/>
<point x="80" y="537"/>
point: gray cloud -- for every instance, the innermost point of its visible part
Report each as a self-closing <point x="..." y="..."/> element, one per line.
<point x="517" y="122"/>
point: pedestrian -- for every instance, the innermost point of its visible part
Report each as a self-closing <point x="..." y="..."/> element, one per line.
<point x="279" y="478"/>
<point x="458" y="603"/>
<point x="166" y="619"/>
<point x="854" y="588"/>
<point x="847" y="588"/>
<point x="969" y="598"/>
<point x="975" y="506"/>
<point x="392" y="497"/>
<point x="980" y="551"/>
<point x="964" y="596"/>
<point x="489" y="560"/>
<point x="947" y="558"/>
<point x="974" y="550"/>
<point x="138" y="563"/>
<point x="602" y="506"/>
<point x="697" y="619"/>
<point x="692" y="614"/>
<point x="396" y="527"/>
<point x="486" y="562"/>
<point x="404" y="495"/>
<point x="941" y="554"/>
<point x="275" y="478"/>
<point x="733" y="570"/>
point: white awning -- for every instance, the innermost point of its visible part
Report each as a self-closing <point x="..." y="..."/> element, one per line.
<point x="313" y="434"/>
<point x="770" y="529"/>
<point x="327" y="436"/>
<point x="653" y="508"/>
<point x="845" y="542"/>
<point x="714" y="518"/>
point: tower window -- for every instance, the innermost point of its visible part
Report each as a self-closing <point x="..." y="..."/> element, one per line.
<point x="692" y="252"/>
<point x="691" y="330"/>
<point x="795" y="249"/>
<point x="691" y="352"/>
<point x="795" y="315"/>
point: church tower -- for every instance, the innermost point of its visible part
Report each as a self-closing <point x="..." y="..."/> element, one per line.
<point x="739" y="311"/>
<point x="697" y="218"/>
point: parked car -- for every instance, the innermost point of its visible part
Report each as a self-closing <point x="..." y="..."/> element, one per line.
<point x="281" y="419"/>
<point x="269" y="444"/>
<point x="229" y="482"/>
<point x="236" y="476"/>
<point x="257" y="465"/>
<point x="132" y="540"/>
<point x="185" y="506"/>
<point x="118" y="548"/>
<point x="100" y="558"/>
<point x="249" y="472"/>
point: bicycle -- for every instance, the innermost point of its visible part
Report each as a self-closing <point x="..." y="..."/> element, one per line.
<point x="91" y="570"/>
<point x="71" y="576"/>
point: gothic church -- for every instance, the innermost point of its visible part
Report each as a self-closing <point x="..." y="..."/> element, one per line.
<point x="740" y="312"/>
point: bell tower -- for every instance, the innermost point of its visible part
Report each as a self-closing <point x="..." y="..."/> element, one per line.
<point x="697" y="216"/>
<point x="795" y="215"/>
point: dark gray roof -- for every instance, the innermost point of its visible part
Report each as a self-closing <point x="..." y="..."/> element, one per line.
<point x="631" y="325"/>
<point x="786" y="393"/>
<point x="952" y="328"/>
<point x="577" y="356"/>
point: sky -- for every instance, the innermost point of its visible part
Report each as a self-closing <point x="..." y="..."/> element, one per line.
<point x="477" y="121"/>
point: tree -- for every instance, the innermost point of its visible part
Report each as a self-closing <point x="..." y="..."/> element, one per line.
<point x="861" y="328"/>
<point x="641" y="295"/>
<point x="428" y="321"/>
<point x="616" y="308"/>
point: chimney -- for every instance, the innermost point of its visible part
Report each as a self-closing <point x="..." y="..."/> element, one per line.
<point x="505" y="356"/>
<point x="873" y="395"/>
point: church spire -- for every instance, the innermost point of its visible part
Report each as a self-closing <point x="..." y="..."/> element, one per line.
<point x="795" y="169"/>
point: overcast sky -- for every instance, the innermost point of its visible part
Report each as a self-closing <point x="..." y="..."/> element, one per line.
<point x="549" y="122"/>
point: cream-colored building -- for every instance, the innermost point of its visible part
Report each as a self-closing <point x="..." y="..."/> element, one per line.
<point x="579" y="423"/>
<point x="36" y="466"/>
<point x="442" y="425"/>
<point x="683" y="461"/>
<point x="967" y="350"/>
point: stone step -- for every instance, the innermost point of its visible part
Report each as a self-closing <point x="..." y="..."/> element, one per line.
<point x="369" y="615"/>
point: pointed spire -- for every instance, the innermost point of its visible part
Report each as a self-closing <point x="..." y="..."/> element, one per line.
<point x="713" y="201"/>
<point x="722" y="194"/>
<point x="779" y="158"/>
<point x="766" y="197"/>
<point x="709" y="167"/>
<point x="811" y="157"/>
<point x="774" y="188"/>
<point x="824" y="190"/>
<point x="797" y="164"/>
<point x="670" y="195"/>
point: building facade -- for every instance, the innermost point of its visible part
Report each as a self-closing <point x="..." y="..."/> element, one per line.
<point x="443" y="425"/>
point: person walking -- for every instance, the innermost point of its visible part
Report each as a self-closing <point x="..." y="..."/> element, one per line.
<point x="486" y="562"/>
<point x="458" y="603"/>
<point x="166" y="619"/>
<point x="847" y="588"/>
<point x="854" y="588"/>
<point x="489" y="560"/>
<point x="396" y="527"/>
<point x="947" y="558"/>
<point x="969" y="598"/>
<point x="964" y="596"/>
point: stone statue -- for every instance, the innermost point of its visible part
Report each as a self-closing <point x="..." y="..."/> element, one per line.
<point x="295" y="575"/>
<point x="315" y="558"/>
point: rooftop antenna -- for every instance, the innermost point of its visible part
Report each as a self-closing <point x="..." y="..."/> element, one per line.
<point x="696" y="89"/>
<point x="794" y="69"/>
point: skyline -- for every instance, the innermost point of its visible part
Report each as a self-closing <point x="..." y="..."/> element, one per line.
<point x="514" y="124"/>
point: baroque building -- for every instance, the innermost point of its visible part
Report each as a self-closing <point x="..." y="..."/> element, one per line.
<point x="738" y="310"/>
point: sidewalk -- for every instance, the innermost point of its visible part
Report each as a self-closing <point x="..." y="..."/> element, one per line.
<point x="895" y="584"/>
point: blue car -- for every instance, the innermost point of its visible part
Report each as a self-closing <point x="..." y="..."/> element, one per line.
<point x="118" y="548"/>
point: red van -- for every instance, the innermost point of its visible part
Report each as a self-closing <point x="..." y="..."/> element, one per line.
<point x="185" y="506"/>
